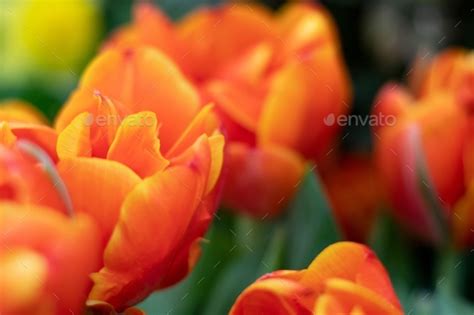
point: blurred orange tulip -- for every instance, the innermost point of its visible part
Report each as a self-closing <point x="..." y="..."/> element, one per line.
<point x="435" y="126"/>
<point x="354" y="191"/>
<point x="345" y="278"/>
<point x="273" y="78"/>
<point x="141" y="156"/>
<point x="45" y="260"/>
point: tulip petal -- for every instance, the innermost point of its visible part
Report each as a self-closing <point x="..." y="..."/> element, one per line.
<point x="352" y="262"/>
<point x="74" y="140"/>
<point x="24" y="275"/>
<point x="19" y="111"/>
<point x="261" y="180"/>
<point x="205" y="122"/>
<point x="137" y="146"/>
<point x="144" y="79"/>
<point x="241" y="103"/>
<point x="272" y="296"/>
<point x="301" y="96"/>
<point x="357" y="295"/>
<point x="71" y="246"/>
<point x="7" y="138"/>
<point x="327" y="304"/>
<point x="44" y="136"/>
<point x="135" y="263"/>
<point x="98" y="187"/>
<point x="151" y="27"/>
<point x="213" y="37"/>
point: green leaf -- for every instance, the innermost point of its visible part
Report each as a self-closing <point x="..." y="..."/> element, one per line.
<point x="310" y="223"/>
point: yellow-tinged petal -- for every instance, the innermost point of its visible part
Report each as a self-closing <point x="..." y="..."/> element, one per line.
<point x="19" y="111"/>
<point x="136" y="144"/>
<point x="216" y="145"/>
<point x="327" y="304"/>
<point x="7" y="138"/>
<point x="353" y="262"/>
<point x="24" y="275"/>
<point x="98" y="187"/>
<point x="354" y="294"/>
<point x="74" y="140"/>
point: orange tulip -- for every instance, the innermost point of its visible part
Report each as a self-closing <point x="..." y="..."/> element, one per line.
<point x="345" y="278"/>
<point x="354" y="191"/>
<point x="273" y="79"/>
<point x="45" y="260"/>
<point x="435" y="127"/>
<point x="141" y="156"/>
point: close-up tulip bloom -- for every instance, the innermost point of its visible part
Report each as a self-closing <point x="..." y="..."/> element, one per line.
<point x="345" y="278"/>
<point x="236" y="157"/>
<point x="433" y="129"/>
<point x="139" y="155"/>
<point x="273" y="79"/>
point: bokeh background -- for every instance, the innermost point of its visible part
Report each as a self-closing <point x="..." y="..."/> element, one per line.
<point x="45" y="45"/>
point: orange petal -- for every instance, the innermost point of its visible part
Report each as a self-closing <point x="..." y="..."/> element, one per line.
<point x="443" y="72"/>
<point x="43" y="136"/>
<point x="242" y="104"/>
<point x="24" y="181"/>
<point x="353" y="294"/>
<point x="7" y="138"/>
<point x="74" y="140"/>
<point x="98" y="187"/>
<point x="205" y="122"/>
<point x="327" y="304"/>
<point x="137" y="146"/>
<point x="352" y="262"/>
<point x="304" y="27"/>
<point x="19" y="111"/>
<point x="24" y="275"/>
<point x="260" y="180"/>
<point x="217" y="36"/>
<point x="70" y="247"/>
<point x="150" y="27"/>
<point x="92" y="133"/>
<point x="301" y="96"/>
<point x="152" y="230"/>
<point x="144" y="79"/>
<point x="272" y="295"/>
